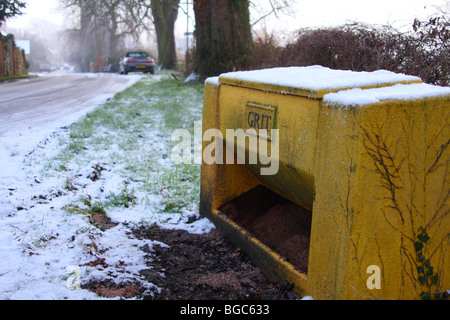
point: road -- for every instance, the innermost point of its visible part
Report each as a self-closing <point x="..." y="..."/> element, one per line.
<point x="51" y="99"/>
<point x="31" y="110"/>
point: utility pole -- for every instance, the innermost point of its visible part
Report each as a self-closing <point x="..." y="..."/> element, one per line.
<point x="187" y="33"/>
<point x="187" y="26"/>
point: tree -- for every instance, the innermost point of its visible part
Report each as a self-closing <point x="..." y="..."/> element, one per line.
<point x="223" y="32"/>
<point x="223" y="36"/>
<point x="165" y="13"/>
<point x="120" y="18"/>
<point x="104" y="23"/>
<point x="274" y="7"/>
<point x="10" y="8"/>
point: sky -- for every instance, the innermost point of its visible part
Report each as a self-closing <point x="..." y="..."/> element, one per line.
<point x="319" y="13"/>
<point x="304" y="13"/>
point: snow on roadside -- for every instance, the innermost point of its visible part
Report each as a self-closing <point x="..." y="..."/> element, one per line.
<point x="47" y="251"/>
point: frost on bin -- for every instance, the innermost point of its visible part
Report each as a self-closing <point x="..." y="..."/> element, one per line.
<point x="362" y="185"/>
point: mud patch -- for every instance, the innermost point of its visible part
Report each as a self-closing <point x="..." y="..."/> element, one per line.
<point x="100" y="219"/>
<point x="109" y="289"/>
<point x="204" y="267"/>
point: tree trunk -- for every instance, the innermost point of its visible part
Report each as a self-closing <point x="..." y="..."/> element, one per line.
<point x="165" y="14"/>
<point x="85" y="41"/>
<point x="223" y="36"/>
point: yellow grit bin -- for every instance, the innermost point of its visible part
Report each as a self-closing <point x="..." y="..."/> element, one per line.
<point x="336" y="182"/>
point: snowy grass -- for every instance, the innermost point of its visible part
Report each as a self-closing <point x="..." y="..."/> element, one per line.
<point x="115" y="162"/>
<point x="132" y="134"/>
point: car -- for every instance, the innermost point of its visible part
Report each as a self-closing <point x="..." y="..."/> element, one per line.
<point x="45" y="67"/>
<point x="137" y="61"/>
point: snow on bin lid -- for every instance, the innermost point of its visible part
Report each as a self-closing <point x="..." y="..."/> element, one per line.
<point x="312" y="81"/>
<point x="359" y="97"/>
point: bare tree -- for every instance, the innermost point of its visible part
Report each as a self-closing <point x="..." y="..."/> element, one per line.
<point x="104" y="23"/>
<point x="274" y="7"/>
<point x="165" y="13"/>
<point x="118" y="19"/>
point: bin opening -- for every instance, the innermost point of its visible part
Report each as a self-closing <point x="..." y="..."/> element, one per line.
<point x="279" y="223"/>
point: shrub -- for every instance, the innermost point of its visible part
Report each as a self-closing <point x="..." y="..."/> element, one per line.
<point x="423" y="52"/>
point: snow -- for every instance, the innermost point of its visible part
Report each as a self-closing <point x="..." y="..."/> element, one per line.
<point x="212" y="80"/>
<point x="359" y="97"/>
<point x="316" y="77"/>
<point x="192" y="77"/>
<point x="35" y="241"/>
<point x="42" y="245"/>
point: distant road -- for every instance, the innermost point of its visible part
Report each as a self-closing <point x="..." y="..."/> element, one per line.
<point x="52" y="100"/>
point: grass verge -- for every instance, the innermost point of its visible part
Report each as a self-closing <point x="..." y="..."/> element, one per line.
<point x="16" y="77"/>
<point x="118" y="156"/>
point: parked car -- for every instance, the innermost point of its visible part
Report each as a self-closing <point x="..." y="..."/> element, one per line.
<point x="45" y="67"/>
<point x="136" y="62"/>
